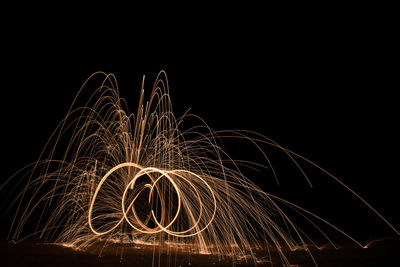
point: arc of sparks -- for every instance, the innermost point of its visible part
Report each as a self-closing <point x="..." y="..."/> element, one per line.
<point x="203" y="194"/>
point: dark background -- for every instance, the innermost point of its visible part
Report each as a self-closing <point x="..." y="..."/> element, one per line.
<point x="323" y="86"/>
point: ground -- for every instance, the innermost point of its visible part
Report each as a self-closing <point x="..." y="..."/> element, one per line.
<point x="34" y="253"/>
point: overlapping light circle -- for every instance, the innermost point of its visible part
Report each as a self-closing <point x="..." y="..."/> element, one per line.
<point x="188" y="177"/>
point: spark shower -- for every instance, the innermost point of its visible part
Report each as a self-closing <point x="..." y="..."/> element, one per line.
<point x="111" y="176"/>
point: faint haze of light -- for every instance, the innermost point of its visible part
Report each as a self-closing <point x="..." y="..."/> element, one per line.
<point x="108" y="175"/>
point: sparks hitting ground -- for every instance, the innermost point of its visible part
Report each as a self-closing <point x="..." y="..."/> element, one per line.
<point x="145" y="178"/>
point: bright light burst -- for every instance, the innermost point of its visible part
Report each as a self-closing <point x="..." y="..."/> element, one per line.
<point x="145" y="178"/>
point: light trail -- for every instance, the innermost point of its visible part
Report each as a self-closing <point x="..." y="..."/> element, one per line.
<point x="108" y="175"/>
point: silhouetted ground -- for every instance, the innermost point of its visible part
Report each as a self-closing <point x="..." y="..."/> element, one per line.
<point x="30" y="253"/>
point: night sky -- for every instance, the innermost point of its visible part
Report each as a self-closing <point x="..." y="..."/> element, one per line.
<point x="320" y="88"/>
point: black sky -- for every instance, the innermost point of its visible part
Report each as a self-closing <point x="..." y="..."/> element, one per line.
<point x="323" y="88"/>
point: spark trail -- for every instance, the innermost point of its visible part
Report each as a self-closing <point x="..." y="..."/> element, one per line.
<point x="108" y="175"/>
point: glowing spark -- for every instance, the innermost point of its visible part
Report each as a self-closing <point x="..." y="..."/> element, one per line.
<point x="137" y="178"/>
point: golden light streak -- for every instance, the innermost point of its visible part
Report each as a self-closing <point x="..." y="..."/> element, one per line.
<point x="108" y="175"/>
